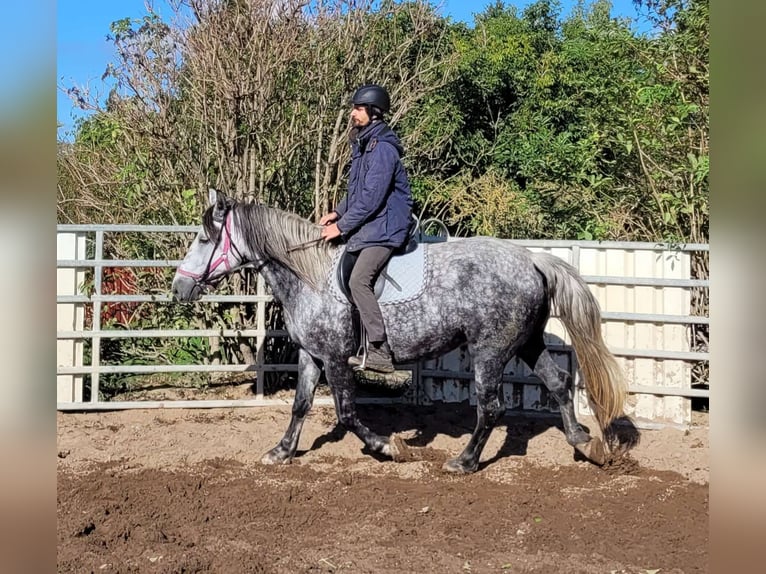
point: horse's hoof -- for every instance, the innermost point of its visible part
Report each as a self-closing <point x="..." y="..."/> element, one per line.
<point x="392" y="449"/>
<point x="578" y="437"/>
<point x="275" y="457"/>
<point x="398" y="450"/>
<point x="454" y="466"/>
<point x="593" y="450"/>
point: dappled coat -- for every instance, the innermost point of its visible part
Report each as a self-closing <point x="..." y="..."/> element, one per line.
<point x="378" y="207"/>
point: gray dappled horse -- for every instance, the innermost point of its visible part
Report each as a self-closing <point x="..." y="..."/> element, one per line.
<point x="488" y="294"/>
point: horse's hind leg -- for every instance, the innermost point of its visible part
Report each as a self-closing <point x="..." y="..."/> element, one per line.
<point x="558" y="382"/>
<point x="308" y="379"/>
<point x="490" y="407"/>
<point x="341" y="381"/>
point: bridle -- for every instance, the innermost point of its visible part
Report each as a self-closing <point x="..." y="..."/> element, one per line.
<point x="228" y="247"/>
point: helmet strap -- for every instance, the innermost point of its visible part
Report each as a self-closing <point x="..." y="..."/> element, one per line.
<point x="374" y="112"/>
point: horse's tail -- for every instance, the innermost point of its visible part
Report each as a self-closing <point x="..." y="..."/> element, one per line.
<point x="580" y="312"/>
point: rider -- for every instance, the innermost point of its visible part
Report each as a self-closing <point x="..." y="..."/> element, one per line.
<point x="375" y="216"/>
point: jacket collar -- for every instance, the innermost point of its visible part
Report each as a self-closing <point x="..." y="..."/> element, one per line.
<point x="368" y="132"/>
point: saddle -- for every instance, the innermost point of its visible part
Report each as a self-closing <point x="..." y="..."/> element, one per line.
<point x="402" y="279"/>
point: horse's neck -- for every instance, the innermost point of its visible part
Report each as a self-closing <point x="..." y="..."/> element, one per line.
<point x="284" y="284"/>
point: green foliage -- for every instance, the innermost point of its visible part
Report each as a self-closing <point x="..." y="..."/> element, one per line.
<point x="602" y="130"/>
<point x="599" y="128"/>
<point x="489" y="205"/>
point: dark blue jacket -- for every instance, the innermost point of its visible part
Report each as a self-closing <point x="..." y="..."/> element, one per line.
<point x="377" y="209"/>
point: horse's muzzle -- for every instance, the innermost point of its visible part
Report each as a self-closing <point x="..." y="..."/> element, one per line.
<point x="186" y="289"/>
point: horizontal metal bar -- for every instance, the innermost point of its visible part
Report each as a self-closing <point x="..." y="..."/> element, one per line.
<point x="628" y="317"/>
<point x="318" y="402"/>
<point x="181" y="404"/>
<point x="658" y="354"/>
<point x="592" y="279"/>
<point x="532" y="380"/>
<point x="212" y="404"/>
<point x="125" y="228"/>
<point x="162" y="333"/>
<point x="653" y="318"/>
<point x="644" y="281"/>
<point x="161" y="299"/>
<point x="136" y="369"/>
<point x="639" y="317"/>
<point x="627" y="353"/>
<point x="627" y="245"/>
<point x="541" y="243"/>
<point x="605" y="316"/>
<point x="555" y="415"/>
<point x="507" y="378"/>
<point x="67" y="263"/>
<point x="669" y="391"/>
<point x="643" y="353"/>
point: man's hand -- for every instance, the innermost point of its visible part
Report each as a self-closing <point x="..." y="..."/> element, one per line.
<point x="330" y="231"/>
<point x="328" y="218"/>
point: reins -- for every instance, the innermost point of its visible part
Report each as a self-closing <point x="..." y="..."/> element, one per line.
<point x="304" y="245"/>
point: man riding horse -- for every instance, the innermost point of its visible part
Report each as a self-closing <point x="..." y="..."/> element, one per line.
<point x="374" y="217"/>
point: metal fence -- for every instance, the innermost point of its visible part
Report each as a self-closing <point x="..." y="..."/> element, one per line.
<point x="72" y="261"/>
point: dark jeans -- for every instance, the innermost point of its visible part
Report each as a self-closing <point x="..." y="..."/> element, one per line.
<point x="369" y="262"/>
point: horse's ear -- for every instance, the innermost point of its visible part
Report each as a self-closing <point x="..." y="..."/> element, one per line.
<point x="219" y="202"/>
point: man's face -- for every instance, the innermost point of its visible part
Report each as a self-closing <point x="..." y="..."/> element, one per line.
<point x="359" y="116"/>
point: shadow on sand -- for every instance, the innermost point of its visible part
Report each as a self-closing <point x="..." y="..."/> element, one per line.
<point x="458" y="420"/>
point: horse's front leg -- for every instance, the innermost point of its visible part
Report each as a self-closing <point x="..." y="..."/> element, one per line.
<point x="341" y="381"/>
<point x="308" y="379"/>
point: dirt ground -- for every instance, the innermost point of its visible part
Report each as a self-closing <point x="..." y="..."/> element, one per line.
<point x="176" y="490"/>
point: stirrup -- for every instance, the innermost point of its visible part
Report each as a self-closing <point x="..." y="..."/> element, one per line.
<point x="361" y="352"/>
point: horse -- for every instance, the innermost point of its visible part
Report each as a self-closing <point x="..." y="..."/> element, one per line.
<point x="488" y="294"/>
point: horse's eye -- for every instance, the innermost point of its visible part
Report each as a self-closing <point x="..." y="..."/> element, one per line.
<point x="204" y="239"/>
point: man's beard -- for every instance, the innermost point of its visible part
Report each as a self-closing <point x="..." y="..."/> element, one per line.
<point x="353" y="133"/>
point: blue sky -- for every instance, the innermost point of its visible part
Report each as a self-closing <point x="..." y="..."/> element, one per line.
<point x="82" y="52"/>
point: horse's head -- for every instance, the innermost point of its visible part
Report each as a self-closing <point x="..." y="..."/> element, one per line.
<point x="212" y="254"/>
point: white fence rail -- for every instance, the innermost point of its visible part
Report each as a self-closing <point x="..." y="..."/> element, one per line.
<point x="644" y="290"/>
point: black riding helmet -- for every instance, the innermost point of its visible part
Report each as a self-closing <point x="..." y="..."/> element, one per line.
<point x="372" y="95"/>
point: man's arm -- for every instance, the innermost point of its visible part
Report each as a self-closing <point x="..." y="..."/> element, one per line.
<point x="342" y="206"/>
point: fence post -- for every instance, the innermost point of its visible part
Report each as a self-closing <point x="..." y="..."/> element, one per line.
<point x="574" y="365"/>
<point x="69" y="316"/>
<point x="260" y="352"/>
<point x="95" y="358"/>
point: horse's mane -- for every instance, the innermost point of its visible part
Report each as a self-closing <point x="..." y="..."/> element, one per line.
<point x="272" y="232"/>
